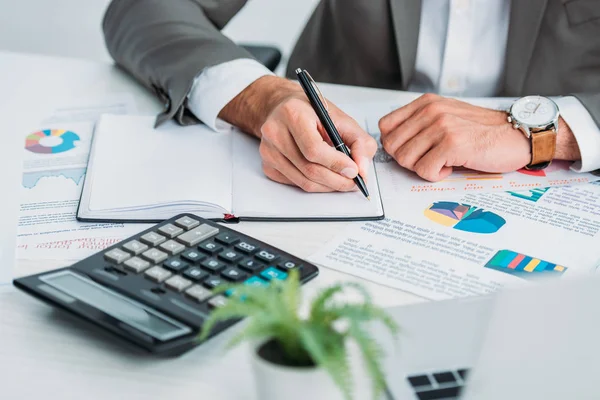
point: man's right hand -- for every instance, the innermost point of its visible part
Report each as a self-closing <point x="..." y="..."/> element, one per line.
<point x="294" y="147"/>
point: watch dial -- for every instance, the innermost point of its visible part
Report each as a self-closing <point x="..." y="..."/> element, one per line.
<point x="534" y="110"/>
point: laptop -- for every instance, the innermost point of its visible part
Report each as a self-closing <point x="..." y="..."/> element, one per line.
<point x="539" y="342"/>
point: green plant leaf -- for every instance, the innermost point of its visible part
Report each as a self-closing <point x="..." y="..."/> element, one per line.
<point x="372" y="354"/>
<point x="327" y="348"/>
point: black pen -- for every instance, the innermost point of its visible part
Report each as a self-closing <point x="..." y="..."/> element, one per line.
<point x="311" y="90"/>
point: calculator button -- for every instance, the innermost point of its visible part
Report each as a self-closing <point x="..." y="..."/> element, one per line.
<point x="246" y="247"/>
<point x="193" y="256"/>
<point x="177" y="283"/>
<point x="170" y="230"/>
<point x="213" y="282"/>
<point x="231" y="256"/>
<point x="117" y="256"/>
<point x="227" y="238"/>
<point x="287" y="265"/>
<point x="153" y="238"/>
<point x="213" y="265"/>
<point x="136" y="264"/>
<point x="217" y="301"/>
<point x="210" y="247"/>
<point x="256" y="281"/>
<point x="234" y="274"/>
<point x="195" y="274"/>
<point x="251" y="265"/>
<point x="187" y="223"/>
<point x="198" y="293"/>
<point x="175" y="265"/>
<point x="197" y="235"/>
<point x="273" y="273"/>
<point x="172" y="247"/>
<point x="157" y="274"/>
<point x="266" y="256"/>
<point x="135" y="247"/>
<point x="154" y="255"/>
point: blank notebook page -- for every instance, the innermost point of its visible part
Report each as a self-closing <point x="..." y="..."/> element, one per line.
<point x="134" y="165"/>
<point x="256" y="196"/>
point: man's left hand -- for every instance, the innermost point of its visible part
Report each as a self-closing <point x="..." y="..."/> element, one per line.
<point x="433" y="134"/>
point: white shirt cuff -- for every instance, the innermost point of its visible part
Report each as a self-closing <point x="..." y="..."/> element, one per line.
<point x="216" y="86"/>
<point x="585" y="130"/>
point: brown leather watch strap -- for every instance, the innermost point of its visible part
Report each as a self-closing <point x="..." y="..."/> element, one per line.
<point x="543" y="148"/>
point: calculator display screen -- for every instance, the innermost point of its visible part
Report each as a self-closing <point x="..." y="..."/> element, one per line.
<point x="117" y="306"/>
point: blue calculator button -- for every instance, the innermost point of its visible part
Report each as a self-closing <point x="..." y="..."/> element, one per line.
<point x="256" y="281"/>
<point x="273" y="273"/>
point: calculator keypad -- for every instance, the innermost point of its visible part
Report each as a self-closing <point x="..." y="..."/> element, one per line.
<point x="172" y="247"/>
<point x="155" y="256"/>
<point x="175" y="265"/>
<point x="210" y="247"/>
<point x="193" y="256"/>
<point x="157" y="274"/>
<point x="234" y="274"/>
<point x="117" y="256"/>
<point x="187" y="223"/>
<point x="153" y="239"/>
<point x="135" y="247"/>
<point x="170" y="230"/>
<point x="184" y="259"/>
<point x="136" y="265"/>
<point x="177" y="283"/>
<point x="246" y="247"/>
<point x="197" y="235"/>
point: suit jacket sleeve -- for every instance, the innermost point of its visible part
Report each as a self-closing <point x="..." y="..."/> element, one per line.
<point x="165" y="44"/>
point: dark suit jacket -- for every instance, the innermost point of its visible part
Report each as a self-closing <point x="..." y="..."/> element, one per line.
<point x="553" y="46"/>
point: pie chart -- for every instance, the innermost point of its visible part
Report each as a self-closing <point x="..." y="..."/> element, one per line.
<point x="464" y="217"/>
<point x="51" y="141"/>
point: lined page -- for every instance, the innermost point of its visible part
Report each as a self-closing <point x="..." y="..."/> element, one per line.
<point x="136" y="166"/>
<point x="256" y="196"/>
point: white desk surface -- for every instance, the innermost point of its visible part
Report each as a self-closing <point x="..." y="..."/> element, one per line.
<point x="48" y="354"/>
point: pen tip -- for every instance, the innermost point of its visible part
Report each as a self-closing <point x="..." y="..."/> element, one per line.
<point x="369" y="198"/>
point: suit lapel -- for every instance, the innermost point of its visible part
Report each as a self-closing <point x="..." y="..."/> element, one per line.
<point x="406" y="15"/>
<point x="525" y="21"/>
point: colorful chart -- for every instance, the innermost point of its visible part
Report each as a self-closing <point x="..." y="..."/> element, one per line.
<point x="523" y="266"/>
<point x="531" y="195"/>
<point x="464" y="217"/>
<point x="60" y="141"/>
<point x="558" y="165"/>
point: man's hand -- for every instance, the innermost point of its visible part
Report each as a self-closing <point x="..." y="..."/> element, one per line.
<point x="294" y="147"/>
<point x="433" y="134"/>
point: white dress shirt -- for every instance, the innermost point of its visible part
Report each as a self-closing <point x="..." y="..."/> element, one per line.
<point x="451" y="31"/>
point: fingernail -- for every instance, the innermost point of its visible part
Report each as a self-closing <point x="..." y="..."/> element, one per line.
<point x="349" y="173"/>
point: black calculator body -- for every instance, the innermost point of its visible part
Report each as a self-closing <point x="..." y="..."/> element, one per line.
<point x="154" y="288"/>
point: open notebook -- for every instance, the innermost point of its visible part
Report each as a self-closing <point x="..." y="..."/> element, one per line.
<point x="138" y="173"/>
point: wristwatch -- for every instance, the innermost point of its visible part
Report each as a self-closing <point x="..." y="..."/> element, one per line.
<point x="537" y="117"/>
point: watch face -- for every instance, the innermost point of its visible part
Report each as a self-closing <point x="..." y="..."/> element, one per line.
<point x="534" y="111"/>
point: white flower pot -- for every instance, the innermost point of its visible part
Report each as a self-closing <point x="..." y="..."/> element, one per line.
<point x="280" y="382"/>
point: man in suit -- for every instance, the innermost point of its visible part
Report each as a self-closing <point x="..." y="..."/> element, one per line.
<point x="472" y="48"/>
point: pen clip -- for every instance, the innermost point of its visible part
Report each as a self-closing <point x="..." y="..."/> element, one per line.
<point x="314" y="85"/>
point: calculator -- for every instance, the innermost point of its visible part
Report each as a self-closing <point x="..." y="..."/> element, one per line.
<point x="155" y="289"/>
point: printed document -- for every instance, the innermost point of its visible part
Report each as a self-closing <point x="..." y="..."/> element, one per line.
<point x="55" y="151"/>
<point x="473" y="244"/>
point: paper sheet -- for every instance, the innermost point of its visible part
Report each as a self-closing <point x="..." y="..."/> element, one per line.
<point x="10" y="160"/>
<point x="55" y="153"/>
<point x="474" y="244"/>
<point x="400" y="181"/>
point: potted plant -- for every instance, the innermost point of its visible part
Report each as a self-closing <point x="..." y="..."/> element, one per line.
<point x="297" y="357"/>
